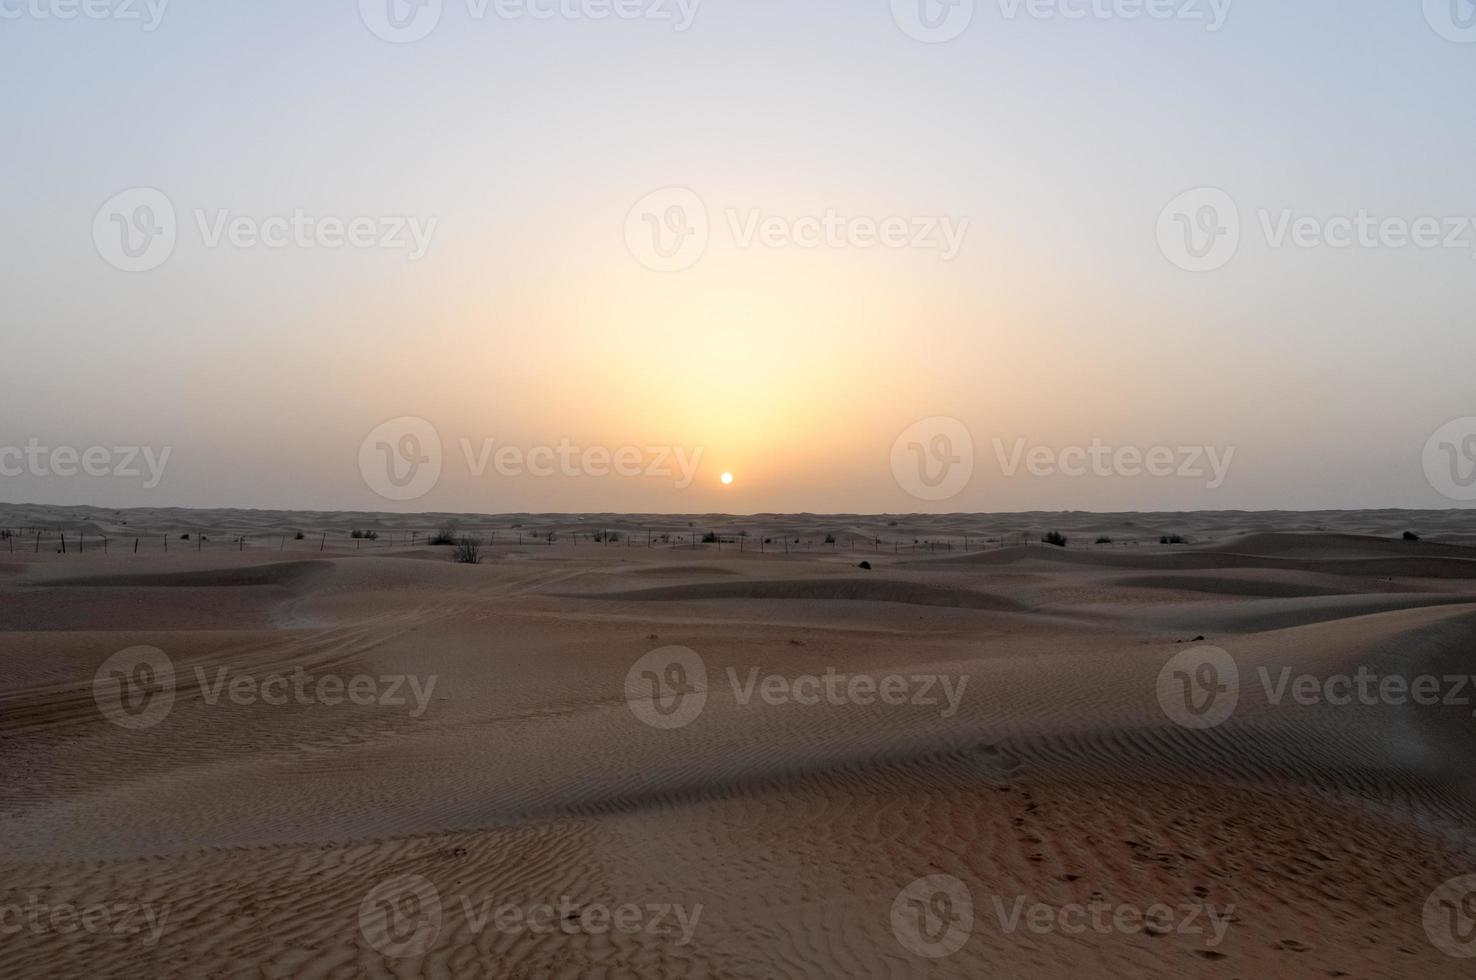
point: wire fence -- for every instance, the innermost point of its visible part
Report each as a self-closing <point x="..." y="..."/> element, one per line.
<point x="82" y="541"/>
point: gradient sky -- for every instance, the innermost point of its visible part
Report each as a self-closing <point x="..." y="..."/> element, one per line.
<point x="529" y="321"/>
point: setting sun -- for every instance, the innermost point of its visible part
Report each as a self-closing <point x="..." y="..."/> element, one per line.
<point x="727" y="479"/>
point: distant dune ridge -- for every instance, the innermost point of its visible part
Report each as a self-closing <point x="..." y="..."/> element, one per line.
<point x="494" y="752"/>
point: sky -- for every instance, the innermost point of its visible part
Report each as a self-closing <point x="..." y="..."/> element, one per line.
<point x="862" y="255"/>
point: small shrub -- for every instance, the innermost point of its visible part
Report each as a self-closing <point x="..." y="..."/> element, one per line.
<point x="446" y="535"/>
<point x="830" y="539"/>
<point x="467" y="552"/>
<point x="710" y="538"/>
<point x="1411" y="536"/>
<point x="1104" y="540"/>
<point x="184" y="537"/>
<point x="1171" y="539"/>
<point x="299" y="536"/>
<point x="1055" y="538"/>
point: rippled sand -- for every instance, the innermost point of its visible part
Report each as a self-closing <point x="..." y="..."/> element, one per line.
<point x="513" y="766"/>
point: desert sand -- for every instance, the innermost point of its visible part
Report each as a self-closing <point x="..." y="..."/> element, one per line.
<point x="515" y="764"/>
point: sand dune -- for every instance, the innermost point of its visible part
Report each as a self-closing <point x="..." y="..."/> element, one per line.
<point x="835" y="590"/>
<point x="1030" y="756"/>
<point x="1413" y="566"/>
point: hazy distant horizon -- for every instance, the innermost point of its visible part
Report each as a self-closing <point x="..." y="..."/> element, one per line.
<point x="684" y="515"/>
<point x="815" y="244"/>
